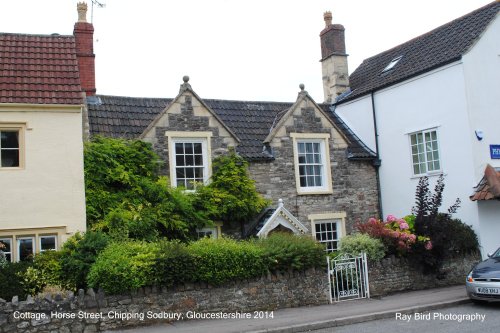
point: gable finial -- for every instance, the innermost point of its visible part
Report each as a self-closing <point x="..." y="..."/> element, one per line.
<point x="302" y="91"/>
<point x="280" y="202"/>
<point x="185" y="86"/>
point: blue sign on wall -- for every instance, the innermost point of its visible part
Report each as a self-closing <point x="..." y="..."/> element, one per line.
<point x="495" y="152"/>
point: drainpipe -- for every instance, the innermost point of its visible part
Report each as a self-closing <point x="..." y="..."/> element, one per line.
<point x="377" y="162"/>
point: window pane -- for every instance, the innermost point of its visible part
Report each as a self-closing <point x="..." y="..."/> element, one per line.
<point x="181" y="173"/>
<point x="303" y="181"/>
<point x="9" y="139"/>
<point x="189" y="173"/>
<point x="301" y="148"/>
<point x="198" y="159"/>
<point x="179" y="148"/>
<point x="47" y="243"/>
<point x="10" y="158"/>
<point x="197" y="148"/>
<point x="413" y="139"/>
<point x="309" y="148"/>
<point x="181" y="183"/>
<point x="25" y="248"/>
<point x="188" y="148"/>
<point x="189" y="160"/>
<point x="179" y="160"/>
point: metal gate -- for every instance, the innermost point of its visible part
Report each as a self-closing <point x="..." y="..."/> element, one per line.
<point x="348" y="277"/>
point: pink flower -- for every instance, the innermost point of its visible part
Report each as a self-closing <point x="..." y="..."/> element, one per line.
<point x="428" y="245"/>
<point x="413" y="238"/>
<point x="391" y="218"/>
<point x="404" y="226"/>
<point x="372" y="220"/>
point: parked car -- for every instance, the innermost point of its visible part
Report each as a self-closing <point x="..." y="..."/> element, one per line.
<point x="483" y="281"/>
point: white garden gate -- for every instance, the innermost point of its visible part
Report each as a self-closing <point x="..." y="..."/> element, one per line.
<point x="348" y="277"/>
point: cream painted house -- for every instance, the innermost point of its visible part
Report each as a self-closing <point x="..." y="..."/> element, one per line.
<point x="42" y="197"/>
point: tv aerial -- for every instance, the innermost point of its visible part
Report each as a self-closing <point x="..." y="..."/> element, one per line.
<point x="99" y="5"/>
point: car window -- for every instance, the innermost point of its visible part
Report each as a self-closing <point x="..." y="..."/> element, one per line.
<point x="496" y="254"/>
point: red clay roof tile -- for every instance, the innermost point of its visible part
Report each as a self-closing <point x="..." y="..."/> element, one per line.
<point x="39" y="69"/>
<point x="489" y="187"/>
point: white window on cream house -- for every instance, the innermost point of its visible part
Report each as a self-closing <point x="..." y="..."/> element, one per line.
<point x="425" y="152"/>
<point x="312" y="163"/>
<point x="189" y="158"/>
<point x="11" y="145"/>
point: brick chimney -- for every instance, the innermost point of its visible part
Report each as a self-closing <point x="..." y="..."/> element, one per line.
<point x="333" y="59"/>
<point x="84" y="38"/>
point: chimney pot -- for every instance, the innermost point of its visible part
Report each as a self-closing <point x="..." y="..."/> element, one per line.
<point x="328" y="18"/>
<point x="81" y="7"/>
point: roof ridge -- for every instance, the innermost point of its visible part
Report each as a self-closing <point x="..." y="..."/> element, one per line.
<point x="54" y="35"/>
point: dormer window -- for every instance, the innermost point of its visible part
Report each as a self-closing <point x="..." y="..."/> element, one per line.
<point x="392" y="64"/>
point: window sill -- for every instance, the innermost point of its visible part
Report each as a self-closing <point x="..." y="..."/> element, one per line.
<point x="314" y="192"/>
<point x="429" y="175"/>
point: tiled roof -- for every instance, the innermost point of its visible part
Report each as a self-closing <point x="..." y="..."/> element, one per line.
<point x="489" y="187"/>
<point x="123" y="117"/>
<point x="436" y="48"/>
<point x="128" y="117"/>
<point x="39" y="69"/>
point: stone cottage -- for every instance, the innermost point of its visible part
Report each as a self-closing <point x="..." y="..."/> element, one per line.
<point x="298" y="151"/>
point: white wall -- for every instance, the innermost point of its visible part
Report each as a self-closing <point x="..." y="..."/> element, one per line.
<point x="433" y="100"/>
<point x="359" y="117"/>
<point x="489" y="220"/>
<point x="482" y="75"/>
<point x="49" y="190"/>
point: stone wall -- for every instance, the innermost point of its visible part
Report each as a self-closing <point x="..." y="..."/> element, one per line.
<point x="94" y="312"/>
<point x="354" y="182"/>
<point x="398" y="274"/>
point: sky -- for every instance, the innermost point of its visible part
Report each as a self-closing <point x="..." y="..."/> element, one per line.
<point x="255" y="50"/>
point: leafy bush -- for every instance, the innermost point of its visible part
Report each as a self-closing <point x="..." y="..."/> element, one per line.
<point x="126" y="198"/>
<point x="231" y="195"/>
<point x="174" y="264"/>
<point x="285" y="251"/>
<point x="79" y="252"/>
<point x="222" y="260"/>
<point x="124" y="266"/>
<point x="45" y="271"/>
<point x="358" y="243"/>
<point x="448" y="236"/>
<point x="11" y="280"/>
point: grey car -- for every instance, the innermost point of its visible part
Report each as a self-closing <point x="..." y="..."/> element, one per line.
<point x="483" y="281"/>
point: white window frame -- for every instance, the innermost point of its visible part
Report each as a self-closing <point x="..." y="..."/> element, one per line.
<point x="202" y="232"/>
<point x="41" y="237"/>
<point x="337" y="218"/>
<point x="322" y="139"/>
<point x="20" y="129"/>
<point x="425" y="153"/>
<point x="189" y="137"/>
<point x="10" y="253"/>
<point x="18" y="241"/>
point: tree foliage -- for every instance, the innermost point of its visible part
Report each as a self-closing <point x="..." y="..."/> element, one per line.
<point x="231" y="195"/>
<point x="127" y="199"/>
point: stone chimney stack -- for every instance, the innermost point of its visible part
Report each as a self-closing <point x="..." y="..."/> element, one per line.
<point x="84" y="38"/>
<point x="333" y="59"/>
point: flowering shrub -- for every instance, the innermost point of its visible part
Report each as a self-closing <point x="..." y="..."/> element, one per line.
<point x="397" y="234"/>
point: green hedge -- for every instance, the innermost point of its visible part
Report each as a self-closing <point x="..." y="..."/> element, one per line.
<point x="124" y="266"/>
<point x="222" y="260"/>
<point x="284" y="251"/>
<point x="129" y="265"/>
<point x="10" y="280"/>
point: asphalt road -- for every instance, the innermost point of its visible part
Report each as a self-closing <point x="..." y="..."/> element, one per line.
<point x="458" y="319"/>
